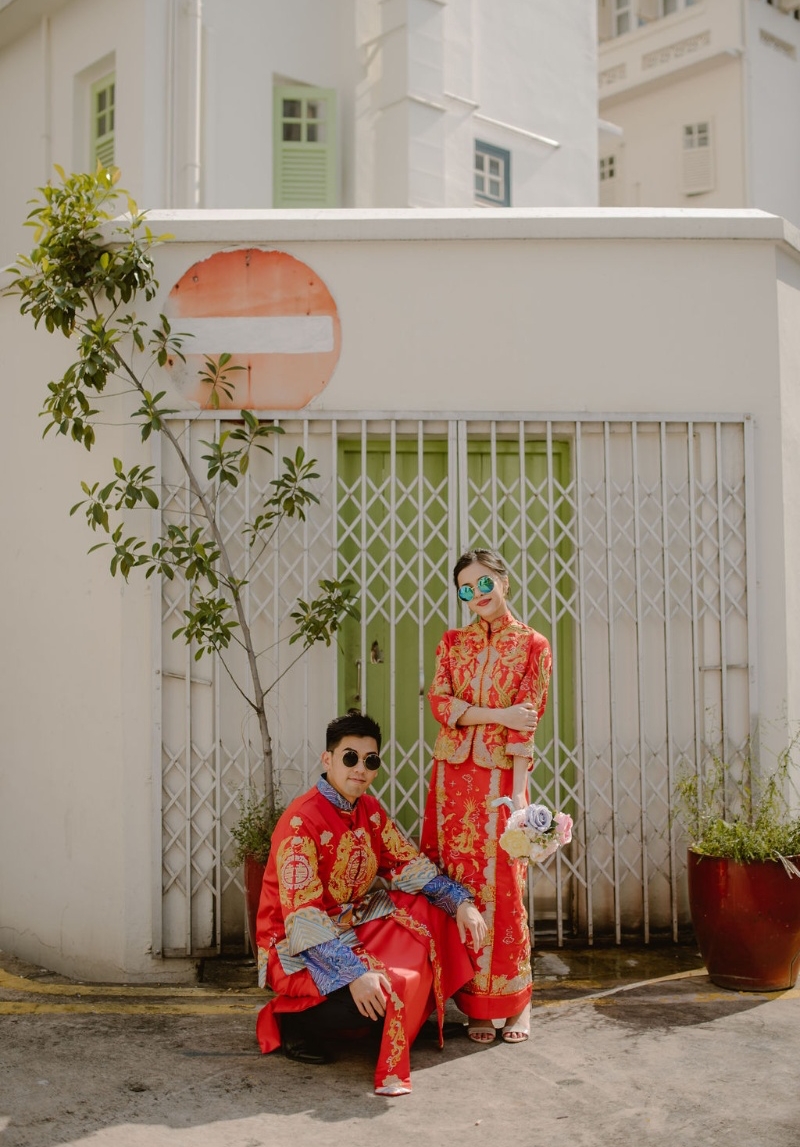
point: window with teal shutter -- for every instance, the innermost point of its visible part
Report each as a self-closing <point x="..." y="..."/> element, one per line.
<point x="492" y="174"/>
<point x="304" y="147"/>
<point x="102" y="127"/>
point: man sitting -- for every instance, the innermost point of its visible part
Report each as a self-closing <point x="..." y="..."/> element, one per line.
<point x="338" y="953"/>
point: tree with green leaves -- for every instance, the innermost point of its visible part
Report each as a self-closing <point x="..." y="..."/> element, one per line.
<point x="86" y="271"/>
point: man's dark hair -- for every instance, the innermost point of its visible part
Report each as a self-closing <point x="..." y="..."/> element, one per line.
<point x="352" y="724"/>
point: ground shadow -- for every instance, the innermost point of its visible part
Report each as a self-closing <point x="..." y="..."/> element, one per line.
<point x="676" y="1004"/>
<point x="64" y="1078"/>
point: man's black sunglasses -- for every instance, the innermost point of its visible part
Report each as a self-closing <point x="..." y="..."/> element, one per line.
<point x="350" y="759"/>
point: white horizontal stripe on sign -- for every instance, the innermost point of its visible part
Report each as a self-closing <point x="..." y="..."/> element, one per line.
<point x="265" y="334"/>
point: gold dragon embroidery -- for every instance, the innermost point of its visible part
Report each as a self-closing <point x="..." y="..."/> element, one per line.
<point x="355" y="867"/>
<point x="298" y="879"/>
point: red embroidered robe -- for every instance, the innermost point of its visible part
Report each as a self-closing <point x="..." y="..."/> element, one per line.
<point x="317" y="887"/>
<point x="496" y="666"/>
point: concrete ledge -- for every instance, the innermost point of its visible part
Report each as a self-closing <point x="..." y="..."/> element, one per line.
<point x="408" y="224"/>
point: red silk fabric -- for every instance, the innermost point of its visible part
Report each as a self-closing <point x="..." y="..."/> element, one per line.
<point x="494" y="666"/>
<point x="322" y="863"/>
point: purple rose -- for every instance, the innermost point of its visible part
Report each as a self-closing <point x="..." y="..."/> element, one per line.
<point x="538" y="817"/>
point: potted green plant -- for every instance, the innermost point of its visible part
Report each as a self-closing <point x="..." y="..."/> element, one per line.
<point x="743" y="872"/>
<point x="252" y="835"/>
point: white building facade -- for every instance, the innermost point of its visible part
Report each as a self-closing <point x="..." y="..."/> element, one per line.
<point x="696" y="104"/>
<point x="640" y="490"/>
<point x="264" y="103"/>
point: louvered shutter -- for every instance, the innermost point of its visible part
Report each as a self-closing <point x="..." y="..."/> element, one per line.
<point x="304" y="147"/>
<point x="103" y="97"/>
<point x="698" y="159"/>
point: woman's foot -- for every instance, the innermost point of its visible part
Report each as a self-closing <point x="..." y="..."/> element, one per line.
<point x="481" y="1031"/>
<point x="518" y="1027"/>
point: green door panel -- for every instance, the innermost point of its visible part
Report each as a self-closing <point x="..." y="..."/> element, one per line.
<point x="396" y="518"/>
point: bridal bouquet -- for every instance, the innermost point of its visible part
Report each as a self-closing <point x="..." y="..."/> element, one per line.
<point x="534" y="833"/>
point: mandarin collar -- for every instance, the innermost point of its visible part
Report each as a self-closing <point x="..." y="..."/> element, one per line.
<point x="496" y="626"/>
<point x="335" y="797"/>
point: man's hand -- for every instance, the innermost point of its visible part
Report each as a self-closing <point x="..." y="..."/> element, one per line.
<point x="369" y="992"/>
<point x="469" y="919"/>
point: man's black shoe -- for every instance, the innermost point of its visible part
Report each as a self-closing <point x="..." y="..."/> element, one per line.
<point x="301" y="1043"/>
<point x="303" y="1052"/>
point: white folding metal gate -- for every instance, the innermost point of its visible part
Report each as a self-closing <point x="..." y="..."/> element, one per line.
<point x="628" y="545"/>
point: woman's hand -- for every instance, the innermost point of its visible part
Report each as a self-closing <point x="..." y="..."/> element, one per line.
<point x="369" y="992"/>
<point x="469" y="919"/>
<point x="523" y="718"/>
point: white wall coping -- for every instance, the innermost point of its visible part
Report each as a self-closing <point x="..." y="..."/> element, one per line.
<point x="377" y="224"/>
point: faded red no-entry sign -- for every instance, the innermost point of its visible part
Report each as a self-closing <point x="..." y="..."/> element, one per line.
<point x="271" y="312"/>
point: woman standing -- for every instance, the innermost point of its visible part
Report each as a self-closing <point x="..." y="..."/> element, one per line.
<point x="488" y="693"/>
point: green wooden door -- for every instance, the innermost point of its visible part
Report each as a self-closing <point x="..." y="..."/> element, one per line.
<point x="399" y="511"/>
<point x="515" y="518"/>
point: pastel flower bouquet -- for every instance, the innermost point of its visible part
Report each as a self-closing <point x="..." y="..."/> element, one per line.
<point x="534" y="833"/>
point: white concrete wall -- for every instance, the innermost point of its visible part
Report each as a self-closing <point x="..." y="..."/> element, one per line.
<point x="668" y="46"/>
<point x="536" y="70"/>
<point x="640" y="276"/>
<point x="686" y="68"/>
<point x="25" y="151"/>
<point x="504" y="75"/>
<point x="76" y="819"/>
<point x="530" y="66"/>
<point x="734" y="64"/>
<point x="789" y="367"/>
<point x="251" y="45"/>
<point x="650" y="152"/>
<point x="45" y="77"/>
<point x="396" y="67"/>
<point x="773" y="86"/>
<point x="432" y="305"/>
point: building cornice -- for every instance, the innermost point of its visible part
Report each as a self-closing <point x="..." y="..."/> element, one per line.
<point x="415" y="224"/>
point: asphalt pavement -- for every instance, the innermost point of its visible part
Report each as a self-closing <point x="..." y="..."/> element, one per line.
<point x="629" y="1046"/>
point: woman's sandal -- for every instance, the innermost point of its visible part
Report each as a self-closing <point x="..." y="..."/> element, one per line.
<point x="482" y="1034"/>
<point x="518" y="1028"/>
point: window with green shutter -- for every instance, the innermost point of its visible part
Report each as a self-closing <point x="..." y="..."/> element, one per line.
<point x="102" y="126"/>
<point x="304" y="147"/>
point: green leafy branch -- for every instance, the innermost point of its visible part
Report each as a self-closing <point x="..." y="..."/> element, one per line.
<point x="87" y="268"/>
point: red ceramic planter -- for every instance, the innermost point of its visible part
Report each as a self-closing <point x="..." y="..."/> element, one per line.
<point x="746" y="919"/>
<point x="253" y="876"/>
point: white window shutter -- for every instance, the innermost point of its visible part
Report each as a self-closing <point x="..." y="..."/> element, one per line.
<point x="698" y="161"/>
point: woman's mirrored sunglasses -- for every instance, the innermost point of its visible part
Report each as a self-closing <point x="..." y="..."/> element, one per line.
<point x="350" y="759"/>
<point x="485" y="584"/>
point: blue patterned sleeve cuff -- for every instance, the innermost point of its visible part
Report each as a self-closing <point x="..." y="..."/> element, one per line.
<point x="446" y="894"/>
<point x="332" y="965"/>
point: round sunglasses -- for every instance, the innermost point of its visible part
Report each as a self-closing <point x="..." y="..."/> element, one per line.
<point x="485" y="584"/>
<point x="350" y="759"/>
